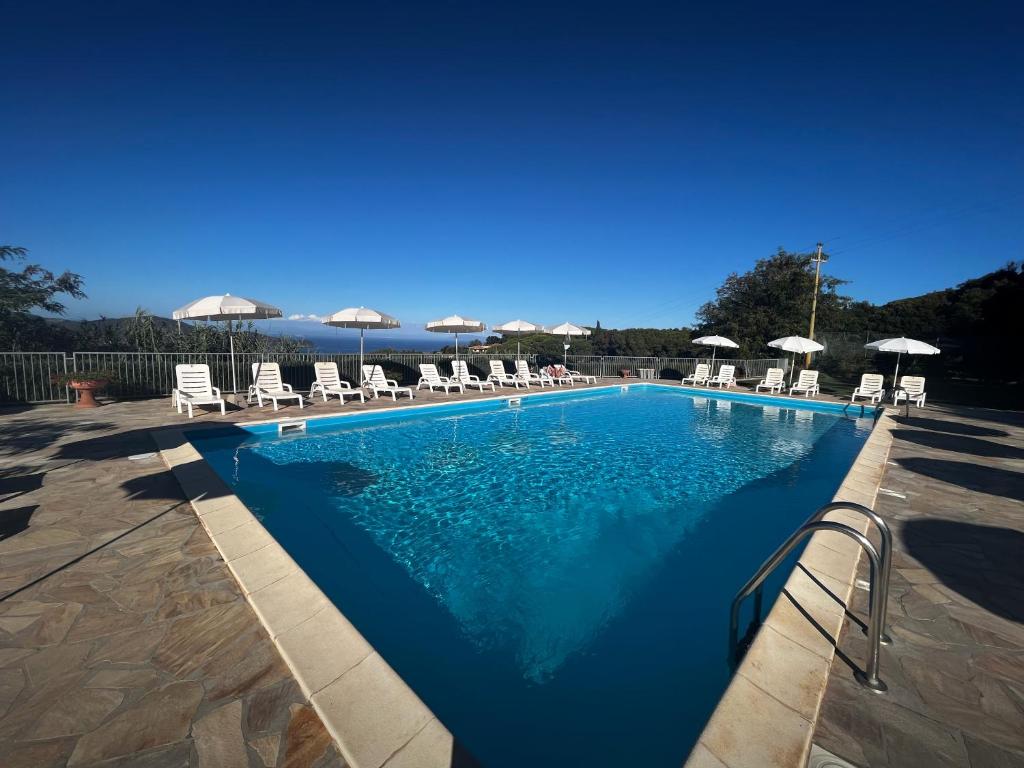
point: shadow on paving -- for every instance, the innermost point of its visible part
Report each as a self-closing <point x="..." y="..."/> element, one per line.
<point x="959" y="444"/>
<point x="14" y="521"/>
<point x="949" y="549"/>
<point x="33" y="436"/>
<point x="989" y="480"/>
<point x="951" y="427"/>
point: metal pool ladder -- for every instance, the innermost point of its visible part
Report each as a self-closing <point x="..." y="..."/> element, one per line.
<point x="880" y="565"/>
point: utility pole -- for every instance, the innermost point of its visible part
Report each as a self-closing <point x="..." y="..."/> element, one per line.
<point x="818" y="258"/>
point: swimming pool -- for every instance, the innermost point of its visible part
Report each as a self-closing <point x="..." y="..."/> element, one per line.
<point x="552" y="579"/>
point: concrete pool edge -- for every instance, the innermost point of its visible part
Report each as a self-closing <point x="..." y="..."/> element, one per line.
<point x="768" y="713"/>
<point x="376" y="720"/>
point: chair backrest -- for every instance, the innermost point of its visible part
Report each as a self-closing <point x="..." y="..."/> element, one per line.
<point x="726" y="371"/>
<point x="375" y="375"/>
<point x="498" y="368"/>
<point x="269" y="376"/>
<point x="522" y="369"/>
<point x="429" y="372"/>
<point x="773" y="375"/>
<point x="702" y="371"/>
<point x="807" y="379"/>
<point x="913" y="385"/>
<point x="461" y="371"/>
<point x="327" y="374"/>
<point x="194" y="379"/>
<point x="871" y="382"/>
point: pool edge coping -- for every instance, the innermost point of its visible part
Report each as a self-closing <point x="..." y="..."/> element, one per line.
<point x="290" y="605"/>
<point x="768" y="713"/>
<point x="263" y="569"/>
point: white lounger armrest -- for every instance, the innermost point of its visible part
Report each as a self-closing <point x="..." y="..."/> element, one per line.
<point x="391" y="382"/>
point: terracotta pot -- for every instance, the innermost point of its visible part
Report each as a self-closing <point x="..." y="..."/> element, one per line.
<point x="624" y="373"/>
<point x="85" y="390"/>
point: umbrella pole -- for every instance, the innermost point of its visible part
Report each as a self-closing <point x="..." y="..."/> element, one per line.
<point x="234" y="376"/>
<point x="896" y="376"/>
<point x="361" y="331"/>
<point x="456" y="345"/>
<point x="792" y="365"/>
<point x="714" y="351"/>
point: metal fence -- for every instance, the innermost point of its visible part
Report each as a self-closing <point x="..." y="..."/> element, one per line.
<point x="28" y="376"/>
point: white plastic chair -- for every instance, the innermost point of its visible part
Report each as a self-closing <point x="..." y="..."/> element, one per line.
<point x="725" y="377"/>
<point x="807" y="382"/>
<point x="501" y="377"/>
<point x="329" y="382"/>
<point x="773" y="381"/>
<point x="267" y="384"/>
<point x="870" y="388"/>
<point x="375" y="380"/>
<point x="460" y="373"/>
<point x="911" y="388"/>
<point x="430" y="378"/>
<point x="194" y="388"/>
<point x="700" y="375"/>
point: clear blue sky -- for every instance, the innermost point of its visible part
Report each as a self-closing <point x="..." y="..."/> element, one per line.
<point x="547" y="161"/>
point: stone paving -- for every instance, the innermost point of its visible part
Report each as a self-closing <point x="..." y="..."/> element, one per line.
<point x="124" y="639"/>
<point x="956" y="606"/>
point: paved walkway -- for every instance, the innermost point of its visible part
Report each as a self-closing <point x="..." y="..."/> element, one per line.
<point x="956" y="668"/>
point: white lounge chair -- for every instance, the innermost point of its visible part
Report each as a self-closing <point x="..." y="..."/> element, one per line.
<point x="460" y="372"/>
<point x="501" y="377"/>
<point x="329" y="382"/>
<point x="773" y="381"/>
<point x="430" y="378"/>
<point x="560" y="376"/>
<point x="375" y="381"/>
<point x="911" y="388"/>
<point x="700" y="375"/>
<point x="524" y="374"/>
<point x="267" y="385"/>
<point x="725" y="377"/>
<point x="807" y="382"/>
<point x="585" y="378"/>
<point x="194" y="388"/>
<point x="870" y="388"/>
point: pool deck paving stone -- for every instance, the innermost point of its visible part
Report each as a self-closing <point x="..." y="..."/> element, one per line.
<point x="956" y="605"/>
<point x="144" y="651"/>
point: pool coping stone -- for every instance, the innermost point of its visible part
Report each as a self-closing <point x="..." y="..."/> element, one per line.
<point x="346" y="680"/>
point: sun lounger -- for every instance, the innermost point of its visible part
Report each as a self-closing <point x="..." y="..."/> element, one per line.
<point x="870" y="388"/>
<point x="807" y="383"/>
<point x="501" y="377"/>
<point x="725" y="377"/>
<point x="911" y="388"/>
<point x="329" y="382"/>
<point x="267" y="385"/>
<point x="585" y="378"/>
<point x="772" y="381"/>
<point x="557" y="374"/>
<point x="461" y="374"/>
<point x="194" y="388"/>
<point x="375" y="381"/>
<point x="524" y="373"/>
<point x="431" y="379"/>
<point x="700" y="375"/>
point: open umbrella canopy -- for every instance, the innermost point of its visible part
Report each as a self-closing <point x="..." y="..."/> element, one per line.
<point x="567" y="330"/>
<point x="796" y="345"/>
<point x="715" y="342"/>
<point x="227" y="307"/>
<point x="902" y="346"/>
<point x="361" y="318"/>
<point x="455" y="324"/>
<point x="517" y="328"/>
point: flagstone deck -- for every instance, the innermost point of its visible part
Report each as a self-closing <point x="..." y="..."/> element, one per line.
<point x="956" y="606"/>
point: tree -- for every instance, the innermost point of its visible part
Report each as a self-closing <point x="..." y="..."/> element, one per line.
<point x="771" y="300"/>
<point x="30" y="288"/>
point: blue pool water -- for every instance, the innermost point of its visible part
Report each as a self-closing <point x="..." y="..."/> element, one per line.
<point x="553" y="580"/>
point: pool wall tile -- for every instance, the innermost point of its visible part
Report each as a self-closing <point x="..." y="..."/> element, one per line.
<point x="766" y="717"/>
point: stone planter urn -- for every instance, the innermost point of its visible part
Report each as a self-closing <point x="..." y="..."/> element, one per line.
<point x="85" y="390"/>
<point x="624" y="373"/>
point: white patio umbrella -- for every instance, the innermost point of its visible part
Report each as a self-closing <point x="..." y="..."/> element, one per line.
<point x="229" y="308"/>
<point x="567" y="330"/>
<point x="796" y="345"/>
<point x="902" y="346"/>
<point x="517" y="328"/>
<point x="715" y="342"/>
<point x="455" y="324"/>
<point x="361" y="318"/>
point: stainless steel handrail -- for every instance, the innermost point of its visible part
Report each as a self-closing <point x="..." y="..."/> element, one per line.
<point x="869" y="677"/>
